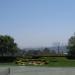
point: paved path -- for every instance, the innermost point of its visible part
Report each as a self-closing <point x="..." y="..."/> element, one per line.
<point x="22" y="70"/>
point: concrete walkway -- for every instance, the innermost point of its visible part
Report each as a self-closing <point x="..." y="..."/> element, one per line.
<point x="22" y="70"/>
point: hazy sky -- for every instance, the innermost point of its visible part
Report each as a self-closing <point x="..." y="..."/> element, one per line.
<point x="37" y="23"/>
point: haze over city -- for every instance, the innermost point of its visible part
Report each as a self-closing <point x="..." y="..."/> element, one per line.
<point x="37" y="23"/>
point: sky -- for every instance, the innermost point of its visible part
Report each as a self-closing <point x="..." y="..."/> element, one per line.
<point x="37" y="23"/>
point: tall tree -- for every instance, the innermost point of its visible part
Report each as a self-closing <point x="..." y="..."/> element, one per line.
<point x="71" y="46"/>
<point x="7" y="45"/>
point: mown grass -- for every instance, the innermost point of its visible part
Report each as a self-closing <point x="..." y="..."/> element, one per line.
<point x="52" y="62"/>
<point x="60" y="62"/>
<point x="57" y="62"/>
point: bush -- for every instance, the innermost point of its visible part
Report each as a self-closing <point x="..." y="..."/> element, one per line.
<point x="7" y="59"/>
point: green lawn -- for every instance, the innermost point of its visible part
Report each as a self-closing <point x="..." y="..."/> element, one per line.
<point x="52" y="62"/>
<point x="57" y="62"/>
<point x="60" y="62"/>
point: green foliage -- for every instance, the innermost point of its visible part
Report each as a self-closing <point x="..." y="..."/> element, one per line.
<point x="71" y="46"/>
<point x="7" y="45"/>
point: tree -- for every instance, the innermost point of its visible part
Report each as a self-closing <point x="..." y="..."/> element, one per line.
<point x="46" y="52"/>
<point x="71" y="46"/>
<point x="7" y="45"/>
<point x="53" y="52"/>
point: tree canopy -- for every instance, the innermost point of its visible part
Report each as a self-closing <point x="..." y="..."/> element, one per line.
<point x="71" y="46"/>
<point x="7" y="45"/>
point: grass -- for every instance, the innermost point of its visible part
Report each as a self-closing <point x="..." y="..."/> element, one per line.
<point x="52" y="62"/>
<point x="60" y="62"/>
